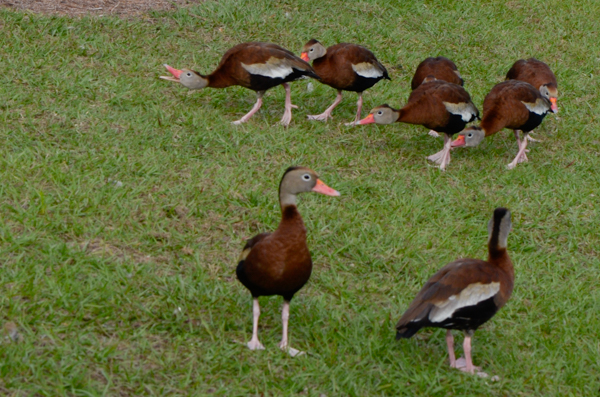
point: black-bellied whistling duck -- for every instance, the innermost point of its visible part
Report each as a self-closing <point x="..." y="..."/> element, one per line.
<point x="511" y="104"/>
<point x="345" y="67"/>
<point x="439" y="68"/>
<point x="279" y="263"/>
<point x="437" y="105"/>
<point x="539" y="75"/>
<point x="465" y="293"/>
<point x="257" y="66"/>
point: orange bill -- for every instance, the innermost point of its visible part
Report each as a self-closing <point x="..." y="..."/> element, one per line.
<point x="175" y="72"/>
<point x="370" y="119"/>
<point x="460" y="141"/>
<point x="554" y="106"/>
<point x="304" y="56"/>
<point x="322" y="188"/>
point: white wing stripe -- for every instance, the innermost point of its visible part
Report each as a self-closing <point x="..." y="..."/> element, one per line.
<point x="465" y="110"/>
<point x="280" y="71"/>
<point x="367" y="70"/>
<point x="469" y="296"/>
<point x="539" y="107"/>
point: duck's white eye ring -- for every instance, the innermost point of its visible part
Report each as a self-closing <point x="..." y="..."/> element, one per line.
<point x="306" y="177"/>
<point x="380" y="113"/>
<point x="312" y="49"/>
<point x="470" y="135"/>
<point x="189" y="74"/>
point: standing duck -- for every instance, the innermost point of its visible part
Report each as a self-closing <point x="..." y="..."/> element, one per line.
<point x="440" y="68"/>
<point x="511" y="104"/>
<point x="279" y="263"/>
<point x="257" y="66"/>
<point x="539" y="75"/>
<point x="464" y="294"/>
<point x="435" y="104"/>
<point x="345" y="67"/>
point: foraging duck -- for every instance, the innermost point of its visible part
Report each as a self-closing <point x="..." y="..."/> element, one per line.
<point x="465" y="294"/>
<point x="257" y="66"/>
<point x="345" y="67"/>
<point x="441" y="68"/>
<point x="539" y="75"/>
<point x="438" y="105"/>
<point x="279" y="263"/>
<point x="511" y="104"/>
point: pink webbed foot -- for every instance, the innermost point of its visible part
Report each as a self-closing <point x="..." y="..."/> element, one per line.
<point x="320" y="117"/>
<point x="461" y="364"/>
<point x="255" y="344"/>
<point x="433" y="134"/>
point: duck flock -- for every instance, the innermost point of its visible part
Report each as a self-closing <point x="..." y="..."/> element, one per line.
<point x="465" y="293"/>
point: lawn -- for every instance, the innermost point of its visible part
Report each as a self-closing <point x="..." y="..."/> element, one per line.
<point x="125" y="201"/>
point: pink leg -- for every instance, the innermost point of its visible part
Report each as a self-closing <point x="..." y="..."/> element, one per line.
<point x="257" y="105"/>
<point x="287" y="113"/>
<point x="358" y="109"/>
<point x="254" y="343"/>
<point x="519" y="143"/>
<point x="521" y="156"/>
<point x="468" y="360"/>
<point x="327" y="113"/>
<point x="284" y="345"/>
<point x="450" y="343"/>
<point x="442" y="157"/>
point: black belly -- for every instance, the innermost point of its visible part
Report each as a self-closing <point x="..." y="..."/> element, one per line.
<point x="455" y="125"/>
<point x="361" y="84"/>
<point x="263" y="83"/>
<point x="286" y="290"/>
<point x="532" y="122"/>
<point x="471" y="317"/>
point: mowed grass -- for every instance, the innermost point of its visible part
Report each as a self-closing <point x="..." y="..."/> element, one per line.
<point x="125" y="201"/>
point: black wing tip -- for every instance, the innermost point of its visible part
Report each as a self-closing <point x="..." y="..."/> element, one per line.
<point x="406" y="332"/>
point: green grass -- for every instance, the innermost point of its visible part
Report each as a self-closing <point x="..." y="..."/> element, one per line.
<point x="124" y="198"/>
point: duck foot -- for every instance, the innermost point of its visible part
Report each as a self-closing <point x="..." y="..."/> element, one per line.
<point x="255" y="345"/>
<point x="291" y="351"/>
<point x="433" y="134"/>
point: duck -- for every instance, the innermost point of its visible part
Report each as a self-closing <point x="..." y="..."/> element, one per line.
<point x="539" y="75"/>
<point x="465" y="294"/>
<point x="254" y="65"/>
<point x="439" y="67"/>
<point x="345" y="67"/>
<point x="279" y="263"/>
<point x="436" y="104"/>
<point x="510" y="104"/>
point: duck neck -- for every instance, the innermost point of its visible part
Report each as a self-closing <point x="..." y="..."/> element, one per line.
<point x="218" y="80"/>
<point x="291" y="221"/>
<point x="497" y="253"/>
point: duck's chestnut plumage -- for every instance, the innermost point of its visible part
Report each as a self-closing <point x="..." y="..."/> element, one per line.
<point x="539" y="75"/>
<point x="256" y="66"/>
<point x="511" y="104"/>
<point x="345" y="67"/>
<point x="465" y="293"/>
<point x="279" y="263"/>
<point x="438" y="105"/>
<point x="440" y="68"/>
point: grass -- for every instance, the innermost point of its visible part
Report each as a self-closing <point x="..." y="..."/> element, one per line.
<point x="125" y="201"/>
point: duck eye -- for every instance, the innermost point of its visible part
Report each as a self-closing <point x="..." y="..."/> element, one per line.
<point x="312" y="49"/>
<point x="470" y="135"/>
<point x="380" y="113"/>
<point x="306" y="177"/>
<point x="189" y="74"/>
